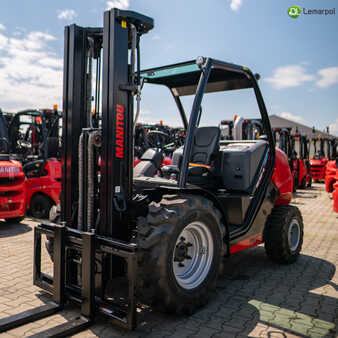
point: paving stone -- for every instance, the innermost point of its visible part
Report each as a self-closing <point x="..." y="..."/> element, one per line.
<point x="254" y="298"/>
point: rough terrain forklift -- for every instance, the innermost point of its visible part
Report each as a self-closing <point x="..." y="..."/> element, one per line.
<point x="286" y="142"/>
<point x="12" y="181"/>
<point x="165" y="238"/>
<point x="330" y="172"/>
<point x="302" y="162"/>
<point x="34" y="141"/>
<point x="319" y="161"/>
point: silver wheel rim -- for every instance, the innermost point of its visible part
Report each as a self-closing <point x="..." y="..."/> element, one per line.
<point x="294" y="235"/>
<point x="193" y="255"/>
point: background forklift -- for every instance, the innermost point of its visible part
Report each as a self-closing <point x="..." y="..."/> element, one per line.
<point x="286" y="142"/>
<point x="302" y="162"/>
<point x="12" y="181"/>
<point x="319" y="160"/>
<point x="164" y="238"/>
<point x="330" y="172"/>
<point x="34" y="141"/>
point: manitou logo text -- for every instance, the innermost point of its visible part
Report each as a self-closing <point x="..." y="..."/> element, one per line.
<point x="9" y="170"/>
<point x="119" y="150"/>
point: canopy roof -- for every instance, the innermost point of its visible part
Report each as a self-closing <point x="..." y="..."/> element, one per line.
<point x="182" y="78"/>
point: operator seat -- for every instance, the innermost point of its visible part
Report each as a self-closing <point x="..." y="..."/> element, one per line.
<point x="204" y="153"/>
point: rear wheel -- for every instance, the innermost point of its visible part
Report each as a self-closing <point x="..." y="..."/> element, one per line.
<point x="284" y="234"/>
<point x="40" y="206"/>
<point x="14" y="219"/>
<point x="180" y="256"/>
<point x="303" y="183"/>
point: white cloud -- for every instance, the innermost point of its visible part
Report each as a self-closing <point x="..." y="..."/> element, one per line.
<point x="329" y="76"/>
<point x="292" y="117"/>
<point x="2" y="27"/>
<point x="67" y="14"/>
<point x="122" y="4"/>
<point x="334" y="127"/>
<point x="30" y="73"/>
<point x="235" y="5"/>
<point x="289" y="76"/>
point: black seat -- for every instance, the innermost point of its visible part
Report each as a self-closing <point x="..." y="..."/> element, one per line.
<point x="204" y="152"/>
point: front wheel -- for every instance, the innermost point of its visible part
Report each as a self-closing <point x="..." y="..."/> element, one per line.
<point x="181" y="245"/>
<point x="40" y="206"/>
<point x="284" y="233"/>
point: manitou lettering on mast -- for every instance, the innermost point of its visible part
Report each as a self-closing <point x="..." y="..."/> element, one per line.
<point x="119" y="150"/>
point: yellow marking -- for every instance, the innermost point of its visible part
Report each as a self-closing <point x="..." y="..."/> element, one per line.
<point x="245" y="68"/>
<point x="124" y="24"/>
<point x="291" y="320"/>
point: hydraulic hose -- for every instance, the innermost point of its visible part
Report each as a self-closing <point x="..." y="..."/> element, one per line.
<point x="93" y="141"/>
<point x="80" y="209"/>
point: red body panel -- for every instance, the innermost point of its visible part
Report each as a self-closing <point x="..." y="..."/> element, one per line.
<point x="12" y="190"/>
<point x="282" y="178"/>
<point x="318" y="168"/>
<point x="330" y="175"/>
<point x="49" y="185"/>
<point x="335" y="193"/>
<point x="247" y="243"/>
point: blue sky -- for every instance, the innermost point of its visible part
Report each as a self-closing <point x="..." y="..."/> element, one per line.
<point x="296" y="58"/>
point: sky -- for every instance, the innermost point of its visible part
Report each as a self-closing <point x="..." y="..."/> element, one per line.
<point x="297" y="58"/>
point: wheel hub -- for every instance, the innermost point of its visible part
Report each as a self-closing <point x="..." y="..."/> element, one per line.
<point x="193" y="255"/>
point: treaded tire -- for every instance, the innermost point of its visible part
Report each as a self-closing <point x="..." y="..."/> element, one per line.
<point x="277" y="244"/>
<point x="14" y="219"/>
<point x="157" y="240"/>
<point x="40" y="206"/>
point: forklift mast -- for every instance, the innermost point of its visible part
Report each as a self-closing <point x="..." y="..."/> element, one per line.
<point x="121" y="33"/>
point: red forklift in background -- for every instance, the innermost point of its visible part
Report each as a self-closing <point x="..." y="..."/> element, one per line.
<point x="34" y="141"/>
<point x="286" y="142"/>
<point x="319" y="160"/>
<point x="125" y="240"/>
<point x="12" y="181"/>
<point x="302" y="162"/>
<point x="330" y="173"/>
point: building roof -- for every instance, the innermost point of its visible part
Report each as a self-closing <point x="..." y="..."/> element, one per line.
<point x="280" y="122"/>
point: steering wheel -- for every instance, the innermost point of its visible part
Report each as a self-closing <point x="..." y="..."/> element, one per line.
<point x="157" y="138"/>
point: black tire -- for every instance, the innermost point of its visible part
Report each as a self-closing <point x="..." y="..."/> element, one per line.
<point x="309" y="184"/>
<point x="14" y="219"/>
<point x="276" y="237"/>
<point x="158" y="234"/>
<point x="40" y="206"/>
<point x="303" y="183"/>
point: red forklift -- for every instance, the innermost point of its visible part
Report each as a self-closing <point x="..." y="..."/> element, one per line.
<point x="330" y="172"/>
<point x="12" y="181"/>
<point x="124" y="240"/>
<point x="34" y="141"/>
<point x="319" y="160"/>
<point x="302" y="162"/>
<point x="286" y="142"/>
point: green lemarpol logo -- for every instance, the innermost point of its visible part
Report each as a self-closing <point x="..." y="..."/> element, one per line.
<point x="294" y="11"/>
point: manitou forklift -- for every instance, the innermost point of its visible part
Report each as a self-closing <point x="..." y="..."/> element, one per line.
<point x="330" y="172"/>
<point x="163" y="239"/>
<point x="12" y="181"/>
<point x="286" y="143"/>
<point x="302" y="162"/>
<point x="34" y="141"/>
<point x="319" y="161"/>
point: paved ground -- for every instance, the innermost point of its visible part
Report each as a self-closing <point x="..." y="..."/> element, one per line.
<point x="254" y="298"/>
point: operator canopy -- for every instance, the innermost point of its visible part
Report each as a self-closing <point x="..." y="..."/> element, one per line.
<point x="182" y="78"/>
